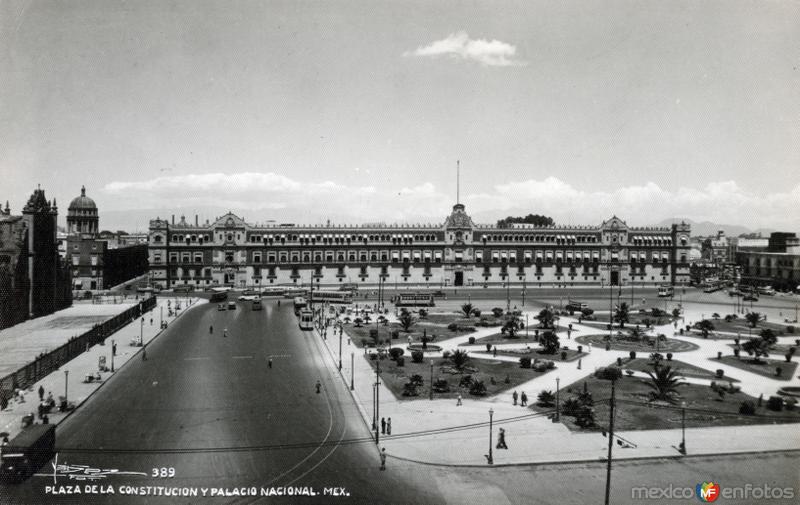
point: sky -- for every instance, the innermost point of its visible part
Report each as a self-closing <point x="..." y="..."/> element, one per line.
<point x="357" y="111"/>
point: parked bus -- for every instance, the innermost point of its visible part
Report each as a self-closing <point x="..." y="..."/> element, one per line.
<point x="306" y="319"/>
<point x="27" y="452"/>
<point x="712" y="287"/>
<point x="351" y="286"/>
<point x="666" y="290"/>
<point x="256" y="305"/>
<point x="323" y="296"/>
<point x="293" y="292"/>
<point x="414" y="299"/>
<point x="299" y="304"/>
<point x="218" y="296"/>
<point x="273" y="291"/>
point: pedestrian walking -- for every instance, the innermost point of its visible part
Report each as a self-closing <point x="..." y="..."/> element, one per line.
<point x="523" y="399"/>
<point x="590" y="348"/>
<point x="41" y="393"/>
<point x="319" y="386"/>
<point x="225" y="332"/>
<point x="383" y="459"/>
<point x="389" y="426"/>
<point x="501" y="439"/>
<point x="383" y="426"/>
<point x="211" y="329"/>
<point x="458" y="403"/>
<point x="579" y="364"/>
<point x="270" y="362"/>
<point x="144" y="354"/>
<point x="514" y="396"/>
<point x="151" y="321"/>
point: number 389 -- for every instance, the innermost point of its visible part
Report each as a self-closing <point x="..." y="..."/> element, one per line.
<point x="163" y="472"/>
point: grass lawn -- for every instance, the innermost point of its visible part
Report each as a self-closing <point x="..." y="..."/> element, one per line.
<point x="742" y="327"/>
<point x="499" y="338"/>
<point x="764" y="366"/>
<point x="687" y="370"/>
<point x="395" y="377"/>
<point x="664" y="346"/>
<point x="572" y="354"/>
<point x="704" y="408"/>
<point x="359" y="334"/>
<point x="634" y="318"/>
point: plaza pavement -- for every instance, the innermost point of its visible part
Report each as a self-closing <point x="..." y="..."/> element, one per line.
<point x="46" y="336"/>
<point x="440" y="432"/>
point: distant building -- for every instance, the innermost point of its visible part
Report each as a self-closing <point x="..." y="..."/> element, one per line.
<point x="34" y="281"/>
<point x="777" y="265"/>
<point x="457" y="252"/>
<point x="717" y="250"/>
<point x="99" y="260"/>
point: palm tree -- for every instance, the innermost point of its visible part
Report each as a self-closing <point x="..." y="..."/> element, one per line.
<point x="460" y="358"/>
<point x="546" y="399"/>
<point x="621" y="314"/>
<point x="753" y="318"/>
<point x="406" y="320"/>
<point x="664" y="381"/>
<point x="467" y="309"/>
<point x="549" y="341"/>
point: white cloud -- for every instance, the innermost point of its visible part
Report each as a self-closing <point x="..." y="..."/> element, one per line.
<point x="493" y="53"/>
<point x="722" y="202"/>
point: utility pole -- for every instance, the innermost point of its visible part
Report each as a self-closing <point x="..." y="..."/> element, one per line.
<point x="610" y="439"/>
<point x="377" y="400"/>
<point x="489" y="458"/>
<point x="352" y="370"/>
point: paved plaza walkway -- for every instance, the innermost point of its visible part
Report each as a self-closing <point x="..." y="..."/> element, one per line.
<point x="441" y="432"/>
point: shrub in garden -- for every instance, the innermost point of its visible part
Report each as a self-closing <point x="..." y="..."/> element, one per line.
<point x="465" y="382"/>
<point x="401" y="361"/>
<point x="563" y="355"/>
<point x="778" y="371"/>
<point x="775" y="403"/>
<point x="364" y="342"/>
<point x="395" y="334"/>
<point x="452" y="326"/>
<point x="497" y="312"/>
<point x="790" y="403"/>
<point x="619" y="361"/>
<point x="788" y="357"/>
<point x="747" y="408"/>
<point x="471" y="340"/>
<point x="477" y="388"/>
<point x="417" y="356"/>
<point x="441" y="386"/>
<point x="446" y="354"/>
<point x="570" y="406"/>
<point x="546" y="399"/>
<point x="525" y="362"/>
<point x="580" y="348"/>
<point x="669" y="356"/>
<point x="720" y="373"/>
<point x="410" y="389"/>
<point x="396" y="352"/>
<point x="632" y="354"/>
<point x="736" y="352"/>
<point x="476" y="312"/>
<point x="488" y="347"/>
<point x="790" y="329"/>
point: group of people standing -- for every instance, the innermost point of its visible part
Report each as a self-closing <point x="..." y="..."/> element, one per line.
<point x="523" y="398"/>
<point x="386" y="426"/>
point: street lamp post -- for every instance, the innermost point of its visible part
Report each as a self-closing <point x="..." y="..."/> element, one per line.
<point x="66" y="386"/>
<point x="431" y="388"/>
<point x="489" y="458"/>
<point x="161" y="319"/>
<point x="377" y="400"/>
<point x="682" y="448"/>
<point x="340" y="351"/>
<point x="558" y="404"/>
<point x="141" y="332"/>
<point x="113" y="346"/>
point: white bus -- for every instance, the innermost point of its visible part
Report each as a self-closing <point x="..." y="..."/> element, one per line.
<point x="666" y="290"/>
<point x="306" y="319"/>
<point x="323" y="296"/>
<point x="256" y="304"/>
<point x="273" y="291"/>
<point x="299" y="304"/>
<point x="293" y="292"/>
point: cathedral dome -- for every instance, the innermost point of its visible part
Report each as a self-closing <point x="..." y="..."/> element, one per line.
<point x="82" y="202"/>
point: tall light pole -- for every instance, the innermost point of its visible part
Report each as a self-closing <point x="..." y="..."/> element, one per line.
<point x="161" y="319"/>
<point x="352" y="370"/>
<point x="612" y="374"/>
<point x="113" y="346"/>
<point x="66" y="386"/>
<point x="377" y="400"/>
<point x="489" y="458"/>
<point x="558" y="404"/>
<point x="340" y="350"/>
<point x="141" y="331"/>
<point x="682" y="448"/>
<point x="431" y="388"/>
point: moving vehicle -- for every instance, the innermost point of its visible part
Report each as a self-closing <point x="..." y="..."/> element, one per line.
<point x="575" y="306"/>
<point x="306" y="318"/>
<point x="231" y="305"/>
<point x="273" y="291"/>
<point x="293" y="292"/>
<point x="323" y="296"/>
<point x="247" y="298"/>
<point x="219" y="296"/>
<point x="666" y="290"/>
<point x="27" y="452"/>
<point x="766" y="290"/>
<point x="221" y="306"/>
<point x="414" y="299"/>
<point x="183" y="288"/>
<point x="349" y="287"/>
<point x="256" y="304"/>
<point x="299" y="305"/>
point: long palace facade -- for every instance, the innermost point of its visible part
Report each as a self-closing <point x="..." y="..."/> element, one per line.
<point x="458" y="252"/>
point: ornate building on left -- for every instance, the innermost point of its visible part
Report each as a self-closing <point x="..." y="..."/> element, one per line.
<point x="34" y="281"/>
<point x="99" y="260"/>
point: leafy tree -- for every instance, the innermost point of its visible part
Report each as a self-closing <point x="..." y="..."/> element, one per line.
<point x="497" y="312"/>
<point x="664" y="381"/>
<point x="358" y="322"/>
<point x="621" y="314"/>
<point x="705" y="326"/>
<point x="546" y="399"/>
<point x="534" y="219"/>
<point x="423" y="313"/>
<point x="676" y="313"/>
<point x="546" y="318"/>
<point x="549" y="341"/>
<point x="715" y="316"/>
<point x="467" y="309"/>
<point x="760" y="347"/>
<point x="510" y="327"/>
<point x="769" y="336"/>
<point x="406" y="320"/>
<point x="477" y="388"/>
<point x="417" y="356"/>
<point x="753" y="318"/>
<point x="459" y="358"/>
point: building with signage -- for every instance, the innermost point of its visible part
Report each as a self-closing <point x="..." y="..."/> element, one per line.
<point x="457" y="252"/>
<point x="777" y="265"/>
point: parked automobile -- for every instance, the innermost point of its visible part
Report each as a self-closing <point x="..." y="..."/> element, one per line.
<point x="221" y="306"/>
<point x="231" y="305"/>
